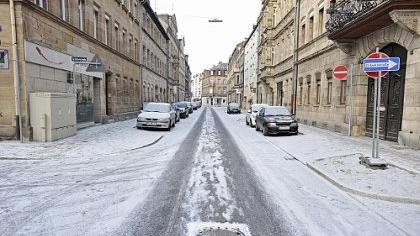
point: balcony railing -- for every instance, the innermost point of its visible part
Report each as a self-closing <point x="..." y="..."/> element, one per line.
<point x="347" y="11"/>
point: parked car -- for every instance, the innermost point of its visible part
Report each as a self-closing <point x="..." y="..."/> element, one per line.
<point x="183" y="109"/>
<point x="177" y="112"/>
<point x="198" y="103"/>
<point x="157" y="115"/>
<point x="252" y="113"/>
<point x="190" y="107"/>
<point x="276" y="120"/>
<point x="233" y="108"/>
<point x="194" y="105"/>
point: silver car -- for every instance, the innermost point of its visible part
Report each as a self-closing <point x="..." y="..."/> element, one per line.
<point x="252" y="113"/>
<point x="157" y="115"/>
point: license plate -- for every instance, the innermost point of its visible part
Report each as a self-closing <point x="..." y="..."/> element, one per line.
<point x="284" y="127"/>
<point x="151" y="123"/>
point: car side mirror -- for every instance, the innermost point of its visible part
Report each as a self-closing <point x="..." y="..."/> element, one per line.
<point x="249" y="111"/>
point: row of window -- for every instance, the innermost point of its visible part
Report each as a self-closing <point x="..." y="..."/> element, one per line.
<point x="153" y="62"/>
<point x="111" y="33"/>
<point x="321" y="96"/>
<point x="312" y="27"/>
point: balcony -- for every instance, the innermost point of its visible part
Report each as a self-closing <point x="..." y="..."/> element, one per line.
<point x="352" y="19"/>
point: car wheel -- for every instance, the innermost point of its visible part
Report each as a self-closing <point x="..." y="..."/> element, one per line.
<point x="173" y="124"/>
<point x="257" y="128"/>
<point x="138" y="127"/>
<point x="265" y="132"/>
<point x="246" y="121"/>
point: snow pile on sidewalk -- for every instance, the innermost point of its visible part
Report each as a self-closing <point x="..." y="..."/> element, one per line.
<point x="99" y="140"/>
<point x="393" y="183"/>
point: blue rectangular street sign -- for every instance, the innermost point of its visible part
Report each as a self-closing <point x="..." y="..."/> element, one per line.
<point x="381" y="64"/>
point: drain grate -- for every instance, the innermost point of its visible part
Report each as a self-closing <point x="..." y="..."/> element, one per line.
<point x="218" y="229"/>
<point x="220" y="232"/>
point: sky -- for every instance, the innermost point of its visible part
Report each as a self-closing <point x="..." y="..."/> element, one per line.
<point x="208" y="43"/>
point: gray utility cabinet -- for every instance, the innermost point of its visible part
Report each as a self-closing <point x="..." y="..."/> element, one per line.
<point x="52" y="115"/>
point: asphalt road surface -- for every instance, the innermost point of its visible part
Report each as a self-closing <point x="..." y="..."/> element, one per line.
<point x="207" y="183"/>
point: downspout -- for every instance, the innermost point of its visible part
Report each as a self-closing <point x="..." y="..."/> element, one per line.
<point x="167" y="71"/>
<point x="15" y="59"/>
<point x="296" y="57"/>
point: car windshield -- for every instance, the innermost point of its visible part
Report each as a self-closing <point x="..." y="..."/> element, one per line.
<point x="157" y="107"/>
<point x="257" y="108"/>
<point x="276" y="111"/>
<point x="234" y="105"/>
<point x="181" y="105"/>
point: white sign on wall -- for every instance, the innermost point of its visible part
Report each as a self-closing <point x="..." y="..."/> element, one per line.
<point x="44" y="56"/>
<point x="4" y="59"/>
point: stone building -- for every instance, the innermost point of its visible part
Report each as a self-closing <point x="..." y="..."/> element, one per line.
<point x="188" y="74"/>
<point x="326" y="37"/>
<point x="251" y="67"/>
<point x="236" y="75"/>
<point x="154" y="44"/>
<point x="214" y="85"/>
<point x="275" y="53"/>
<point x="181" y="71"/>
<point x="49" y="34"/>
<point x="170" y="24"/>
<point x="196" y="85"/>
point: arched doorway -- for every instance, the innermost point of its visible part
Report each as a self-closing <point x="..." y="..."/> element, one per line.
<point x="392" y="97"/>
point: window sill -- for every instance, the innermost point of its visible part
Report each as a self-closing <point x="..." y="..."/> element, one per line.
<point x="340" y="106"/>
<point x="328" y="105"/>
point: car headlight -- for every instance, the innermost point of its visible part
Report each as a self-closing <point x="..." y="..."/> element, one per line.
<point x="294" y="124"/>
<point x="270" y="124"/>
<point x="141" y="119"/>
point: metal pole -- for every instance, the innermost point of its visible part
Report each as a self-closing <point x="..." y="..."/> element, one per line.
<point x="378" y="114"/>
<point x="351" y="100"/>
<point x="374" y="119"/>
<point x="19" y="131"/>
<point x="296" y="57"/>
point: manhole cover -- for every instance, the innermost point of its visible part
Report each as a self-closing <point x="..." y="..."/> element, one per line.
<point x="217" y="229"/>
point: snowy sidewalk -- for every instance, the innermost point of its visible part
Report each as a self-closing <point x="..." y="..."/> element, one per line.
<point x="336" y="158"/>
<point x="99" y="140"/>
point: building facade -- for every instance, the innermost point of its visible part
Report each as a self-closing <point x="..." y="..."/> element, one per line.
<point x="236" y="75"/>
<point x="196" y="85"/>
<point x="324" y="37"/>
<point x="154" y="44"/>
<point x="49" y="34"/>
<point x="251" y="68"/>
<point x="214" y="85"/>
<point x="170" y="24"/>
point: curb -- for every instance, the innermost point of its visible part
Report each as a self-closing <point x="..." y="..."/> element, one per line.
<point x="148" y="145"/>
<point x="137" y="148"/>
<point x="364" y="194"/>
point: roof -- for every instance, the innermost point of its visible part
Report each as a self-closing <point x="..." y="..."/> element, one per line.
<point x="220" y="66"/>
<point x="155" y="18"/>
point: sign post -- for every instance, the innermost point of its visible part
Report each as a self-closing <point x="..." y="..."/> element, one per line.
<point x="377" y="65"/>
<point x="340" y="72"/>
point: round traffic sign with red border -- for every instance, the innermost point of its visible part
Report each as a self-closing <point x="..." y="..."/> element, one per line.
<point x="375" y="75"/>
<point x="340" y="72"/>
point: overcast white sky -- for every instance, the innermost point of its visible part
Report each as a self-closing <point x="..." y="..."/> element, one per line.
<point x="209" y="43"/>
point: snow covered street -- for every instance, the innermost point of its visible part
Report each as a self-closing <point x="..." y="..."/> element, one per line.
<point x="209" y="172"/>
<point x="84" y="185"/>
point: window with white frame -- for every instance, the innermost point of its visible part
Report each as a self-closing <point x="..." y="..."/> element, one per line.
<point x="81" y="9"/>
<point x="107" y="30"/>
<point x="64" y="9"/>
<point x="95" y="22"/>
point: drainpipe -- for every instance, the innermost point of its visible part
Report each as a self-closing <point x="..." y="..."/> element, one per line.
<point x="15" y="59"/>
<point x="296" y="57"/>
